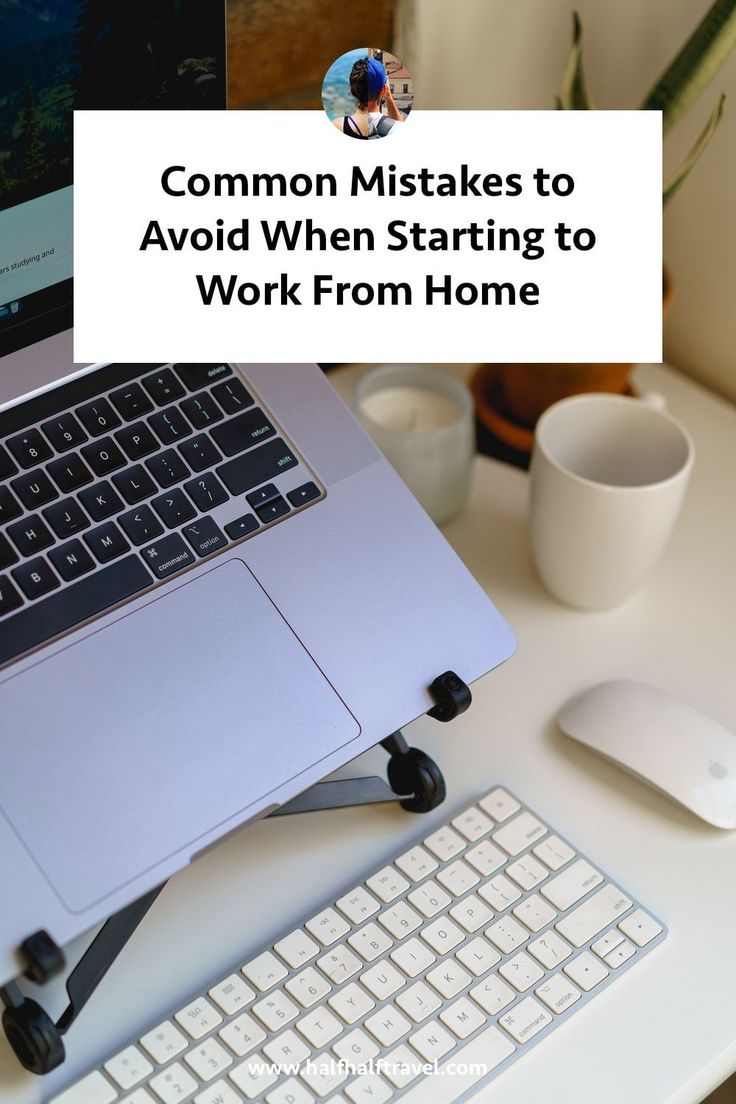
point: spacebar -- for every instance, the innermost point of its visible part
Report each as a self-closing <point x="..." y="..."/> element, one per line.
<point x="66" y="608"/>
<point x="479" y="1058"/>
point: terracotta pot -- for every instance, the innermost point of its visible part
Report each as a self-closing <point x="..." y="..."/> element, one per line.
<point x="510" y="398"/>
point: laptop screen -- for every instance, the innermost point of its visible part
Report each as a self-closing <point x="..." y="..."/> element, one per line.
<point x="57" y="55"/>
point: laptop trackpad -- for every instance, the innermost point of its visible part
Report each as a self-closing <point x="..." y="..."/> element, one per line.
<point x="151" y="732"/>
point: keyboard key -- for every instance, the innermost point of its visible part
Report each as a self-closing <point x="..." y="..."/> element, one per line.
<point x="202" y="410"/>
<point x="534" y="913"/>
<point x="220" y="1092"/>
<point x="288" y="1048"/>
<point x="174" y="508"/>
<point x="64" y="432"/>
<point x="519" y="834"/>
<point x="558" y="993"/>
<point x="445" y="843"/>
<point x="471" y="913"/>
<point x="432" y="1042"/>
<point x="356" y="1047"/>
<point x="351" y="1003"/>
<point x="8" y="555"/>
<point x="10" y="599"/>
<point x="195" y="376"/>
<point x="416" y="864"/>
<point x="206" y="491"/>
<point x="131" y="402"/>
<point x="9" y="506"/>
<point x="358" y="905"/>
<point x="595" y="914"/>
<point x="308" y="987"/>
<point x="443" y="935"/>
<point x="493" y="994"/>
<point x="137" y="440"/>
<point x="141" y="525"/>
<point x="30" y="535"/>
<point x="620" y="954"/>
<point x="71" y="560"/>
<point x="29" y="448"/>
<point x="527" y="872"/>
<point x="98" y="417"/>
<point x="167" y="556"/>
<point x="478" y="956"/>
<point x="550" y="949"/>
<point x="418" y="1002"/>
<point x="101" y="501"/>
<point x="198" y="1018"/>
<point x="340" y="964"/>
<point x="586" y="970"/>
<point x="607" y="942"/>
<point x="208" y="1060"/>
<point x="276" y="1010"/>
<point x="499" y="805"/>
<point x="34" y="489"/>
<point x="106" y="542"/>
<point x="128" y="1068"/>
<point x="449" y="978"/>
<point x="72" y="605"/>
<point x="402" y="1067"/>
<point x="554" y="852"/>
<point x="242" y="526"/>
<point x="134" y="484"/>
<point x="485" y="857"/>
<point x="462" y="1018"/>
<point x="640" y="927"/>
<point x="499" y="892"/>
<point x="167" y="468"/>
<point x="200" y="453"/>
<point x="204" y="536"/>
<point x="327" y="926"/>
<point x="170" y="425"/>
<point x="320" y="1027"/>
<point x="264" y="463"/>
<point x="472" y="824"/>
<point x="163" y="387"/>
<point x="274" y="509"/>
<point x="92" y="1089"/>
<point x="232" y="396"/>
<point x="103" y="456"/>
<point x="174" y="1084"/>
<point x="382" y="980"/>
<point x="387" y="884"/>
<point x="242" y="1035"/>
<point x="35" y="579"/>
<point x="301" y="495"/>
<point x="69" y="473"/>
<point x="262" y="495"/>
<point x="66" y="517"/>
<point x="387" y="1025"/>
<point x="458" y="878"/>
<point x="507" y="934"/>
<point x="253" y="1077"/>
<point x="400" y="920"/>
<point x="296" y="948"/>
<point x="413" y="957"/>
<point x="573" y="884"/>
<point x="231" y="994"/>
<point x="522" y="972"/>
<point x="525" y="1020"/>
<point x="370" y="942"/>
<point x="8" y="466"/>
<point x="242" y="432"/>
<point x="264" y="971"/>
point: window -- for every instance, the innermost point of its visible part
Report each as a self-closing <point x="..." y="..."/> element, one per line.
<point x="406" y="88"/>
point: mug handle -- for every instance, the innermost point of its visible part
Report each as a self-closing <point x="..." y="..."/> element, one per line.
<point x="655" y="399"/>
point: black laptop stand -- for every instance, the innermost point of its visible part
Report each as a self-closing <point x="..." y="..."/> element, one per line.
<point x="414" y="780"/>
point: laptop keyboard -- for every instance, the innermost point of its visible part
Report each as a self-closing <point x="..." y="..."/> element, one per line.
<point x="118" y="480"/>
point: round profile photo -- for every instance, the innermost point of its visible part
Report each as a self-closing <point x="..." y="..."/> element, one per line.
<point x="366" y="93"/>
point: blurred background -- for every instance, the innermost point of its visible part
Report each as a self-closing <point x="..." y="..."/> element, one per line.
<point x="505" y="54"/>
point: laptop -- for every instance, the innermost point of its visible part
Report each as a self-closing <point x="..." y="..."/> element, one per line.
<point x="214" y="590"/>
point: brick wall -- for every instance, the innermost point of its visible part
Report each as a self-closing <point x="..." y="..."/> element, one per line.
<point x="279" y="50"/>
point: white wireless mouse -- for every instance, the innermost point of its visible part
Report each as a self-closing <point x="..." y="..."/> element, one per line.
<point x="661" y="739"/>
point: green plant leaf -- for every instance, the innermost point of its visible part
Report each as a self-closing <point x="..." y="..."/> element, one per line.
<point x="697" y="63"/>
<point x="573" y="94"/>
<point x="703" y="139"/>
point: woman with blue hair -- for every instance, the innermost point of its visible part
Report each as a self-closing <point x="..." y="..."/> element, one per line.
<point x="368" y="85"/>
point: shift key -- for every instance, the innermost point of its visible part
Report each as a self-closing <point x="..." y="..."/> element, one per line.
<point x="595" y="914"/>
<point x="257" y="466"/>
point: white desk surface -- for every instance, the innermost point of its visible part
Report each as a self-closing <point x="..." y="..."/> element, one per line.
<point x="666" y="1033"/>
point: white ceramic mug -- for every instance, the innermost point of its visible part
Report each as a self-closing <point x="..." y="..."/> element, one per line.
<point x="608" y="476"/>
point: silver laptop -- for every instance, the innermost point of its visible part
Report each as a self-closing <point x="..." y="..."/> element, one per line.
<point x="214" y="591"/>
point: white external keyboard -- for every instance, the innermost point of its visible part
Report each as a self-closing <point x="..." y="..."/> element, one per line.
<point x="420" y="983"/>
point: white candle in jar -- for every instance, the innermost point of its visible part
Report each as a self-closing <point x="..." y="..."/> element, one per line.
<point x="422" y="420"/>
